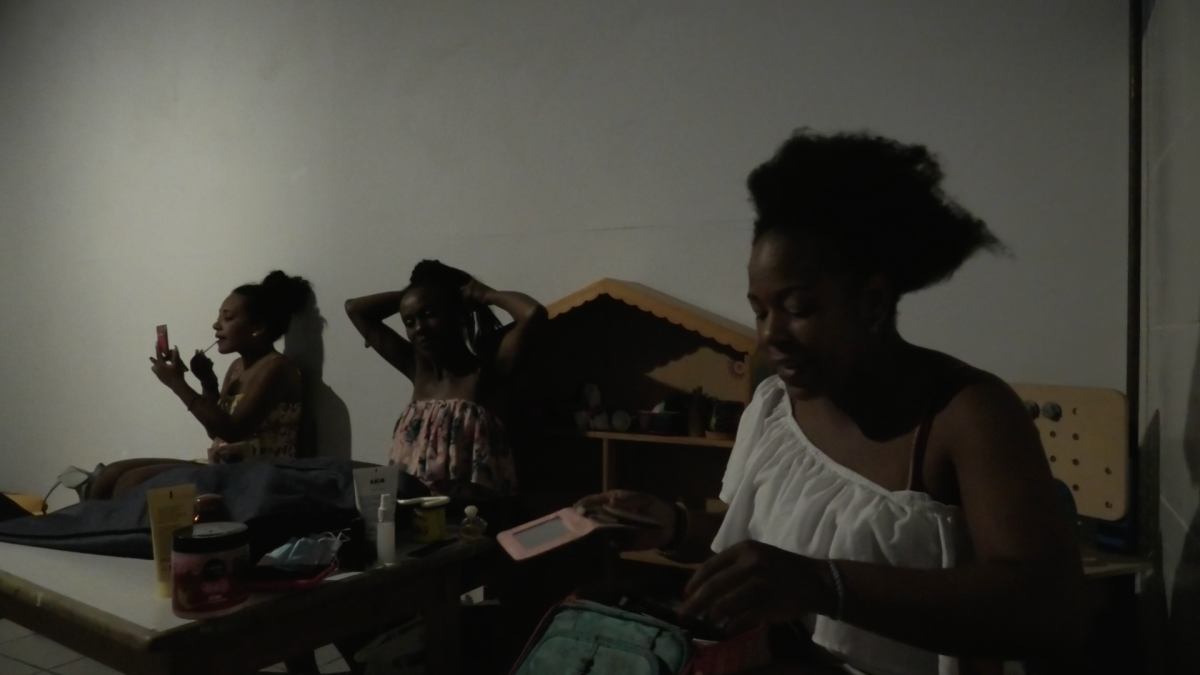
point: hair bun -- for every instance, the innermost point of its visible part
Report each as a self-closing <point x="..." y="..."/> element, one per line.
<point x="435" y="273"/>
<point x="290" y="294"/>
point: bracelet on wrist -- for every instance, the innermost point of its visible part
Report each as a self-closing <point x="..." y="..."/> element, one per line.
<point x="839" y="587"/>
<point x="195" y="397"/>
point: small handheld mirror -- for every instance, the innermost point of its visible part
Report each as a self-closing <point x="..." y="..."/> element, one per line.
<point x="545" y="533"/>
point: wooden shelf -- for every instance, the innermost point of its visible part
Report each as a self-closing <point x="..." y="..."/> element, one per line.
<point x="646" y="438"/>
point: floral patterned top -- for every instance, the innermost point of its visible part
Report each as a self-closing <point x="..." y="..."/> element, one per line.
<point x="275" y="438"/>
<point x="454" y="439"/>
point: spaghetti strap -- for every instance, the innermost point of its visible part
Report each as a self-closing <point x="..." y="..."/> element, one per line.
<point x="916" y="473"/>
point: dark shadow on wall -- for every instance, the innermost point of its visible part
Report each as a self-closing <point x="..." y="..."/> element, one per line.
<point x="1169" y="631"/>
<point x="1152" y="618"/>
<point x="1184" y="632"/>
<point x="325" y="428"/>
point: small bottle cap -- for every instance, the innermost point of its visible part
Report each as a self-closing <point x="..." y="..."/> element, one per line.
<point x="471" y="511"/>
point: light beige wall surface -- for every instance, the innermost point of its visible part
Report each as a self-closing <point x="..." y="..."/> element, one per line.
<point x="157" y="153"/>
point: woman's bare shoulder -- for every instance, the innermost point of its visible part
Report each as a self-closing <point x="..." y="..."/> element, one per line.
<point x="235" y="369"/>
<point x="275" y="369"/>
<point x="969" y="395"/>
<point x="981" y="404"/>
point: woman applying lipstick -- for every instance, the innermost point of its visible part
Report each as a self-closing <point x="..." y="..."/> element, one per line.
<point x="892" y="500"/>
<point x="255" y="414"/>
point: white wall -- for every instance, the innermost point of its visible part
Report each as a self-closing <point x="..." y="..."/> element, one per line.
<point x="1171" y="398"/>
<point x="158" y="153"/>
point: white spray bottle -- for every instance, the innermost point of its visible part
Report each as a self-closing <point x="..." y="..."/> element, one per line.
<point x="385" y="541"/>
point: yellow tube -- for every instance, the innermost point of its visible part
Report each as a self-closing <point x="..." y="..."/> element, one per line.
<point x="170" y="508"/>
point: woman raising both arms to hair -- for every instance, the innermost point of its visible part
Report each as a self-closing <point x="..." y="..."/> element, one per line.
<point x="255" y="414"/>
<point x="461" y="363"/>
<point x="892" y="498"/>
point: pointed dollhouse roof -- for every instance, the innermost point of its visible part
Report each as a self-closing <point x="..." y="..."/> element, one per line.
<point x="712" y="326"/>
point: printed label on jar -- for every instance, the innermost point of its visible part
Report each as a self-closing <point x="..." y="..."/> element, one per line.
<point x="429" y="524"/>
<point x="209" y="582"/>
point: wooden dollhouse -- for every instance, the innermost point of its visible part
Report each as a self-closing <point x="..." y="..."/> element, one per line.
<point x="640" y="349"/>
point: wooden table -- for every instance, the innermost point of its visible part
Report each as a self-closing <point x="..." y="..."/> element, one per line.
<point x="105" y="608"/>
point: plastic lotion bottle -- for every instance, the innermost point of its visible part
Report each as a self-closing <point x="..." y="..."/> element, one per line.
<point x="385" y="540"/>
<point x="170" y="509"/>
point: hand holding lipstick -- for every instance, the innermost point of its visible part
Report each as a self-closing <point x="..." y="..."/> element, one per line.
<point x="202" y="368"/>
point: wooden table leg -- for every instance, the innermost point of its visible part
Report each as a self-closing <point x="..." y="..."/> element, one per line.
<point x="443" y="632"/>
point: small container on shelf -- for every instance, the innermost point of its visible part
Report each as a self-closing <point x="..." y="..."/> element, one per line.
<point x="662" y="423"/>
<point x="697" y="412"/>
<point x="725" y="418"/>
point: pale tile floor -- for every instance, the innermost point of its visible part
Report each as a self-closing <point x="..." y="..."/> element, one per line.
<point x="22" y="652"/>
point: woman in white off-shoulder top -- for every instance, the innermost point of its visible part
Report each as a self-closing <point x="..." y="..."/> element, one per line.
<point x="891" y="499"/>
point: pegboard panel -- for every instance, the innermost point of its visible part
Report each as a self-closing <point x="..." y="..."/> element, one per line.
<point x="1084" y="433"/>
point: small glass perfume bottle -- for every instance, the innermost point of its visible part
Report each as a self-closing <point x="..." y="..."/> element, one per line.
<point x="473" y="526"/>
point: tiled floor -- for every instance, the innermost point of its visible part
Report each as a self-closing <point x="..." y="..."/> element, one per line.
<point x="22" y="652"/>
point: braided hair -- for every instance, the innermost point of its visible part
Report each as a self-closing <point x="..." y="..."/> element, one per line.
<point x="480" y="325"/>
